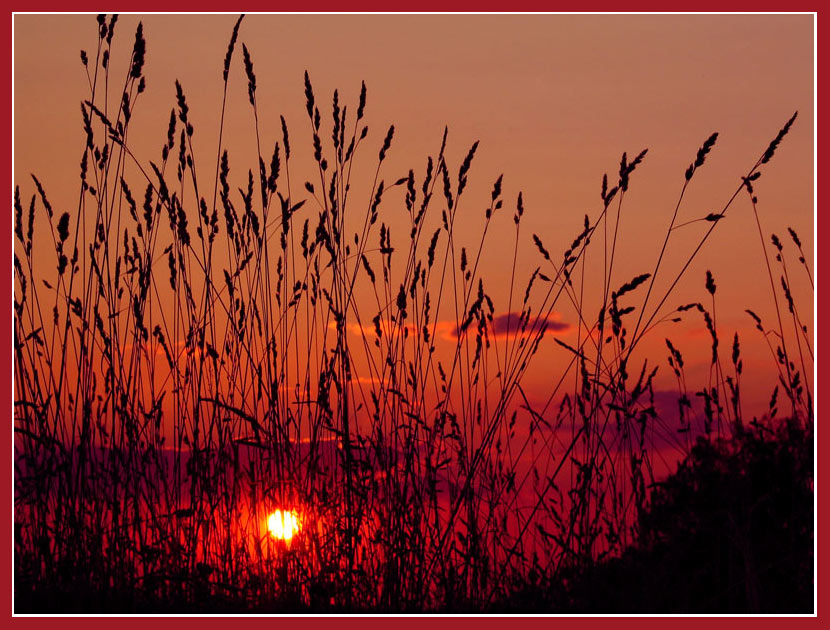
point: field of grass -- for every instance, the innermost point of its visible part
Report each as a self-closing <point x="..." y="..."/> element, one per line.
<point x="192" y="359"/>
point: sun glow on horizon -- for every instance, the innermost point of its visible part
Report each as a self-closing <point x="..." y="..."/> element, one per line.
<point x="283" y="524"/>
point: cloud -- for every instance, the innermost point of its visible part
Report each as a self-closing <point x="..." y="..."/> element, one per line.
<point x="513" y="325"/>
<point x="504" y="325"/>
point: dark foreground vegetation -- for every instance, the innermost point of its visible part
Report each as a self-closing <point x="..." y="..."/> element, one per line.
<point x="194" y="352"/>
<point x="730" y="532"/>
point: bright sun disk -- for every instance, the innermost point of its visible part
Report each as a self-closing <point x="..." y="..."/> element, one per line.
<point x="283" y="524"/>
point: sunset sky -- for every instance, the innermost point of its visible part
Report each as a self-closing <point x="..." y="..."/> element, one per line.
<point x="553" y="99"/>
<point x="550" y="315"/>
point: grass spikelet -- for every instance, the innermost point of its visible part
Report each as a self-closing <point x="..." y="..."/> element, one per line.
<point x="229" y="54"/>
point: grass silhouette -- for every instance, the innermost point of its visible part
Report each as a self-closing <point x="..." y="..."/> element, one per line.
<point x="200" y="358"/>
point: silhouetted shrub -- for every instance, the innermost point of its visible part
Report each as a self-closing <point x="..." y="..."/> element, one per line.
<point x="730" y="532"/>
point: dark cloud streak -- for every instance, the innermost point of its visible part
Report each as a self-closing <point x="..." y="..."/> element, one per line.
<point x="510" y="324"/>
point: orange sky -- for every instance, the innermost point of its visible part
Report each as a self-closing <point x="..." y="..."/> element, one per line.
<point x="553" y="99"/>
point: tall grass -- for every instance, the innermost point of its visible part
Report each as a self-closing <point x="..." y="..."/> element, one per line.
<point x="199" y="357"/>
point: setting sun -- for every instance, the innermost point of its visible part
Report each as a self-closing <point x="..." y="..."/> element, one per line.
<point x="508" y="351"/>
<point x="283" y="524"/>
